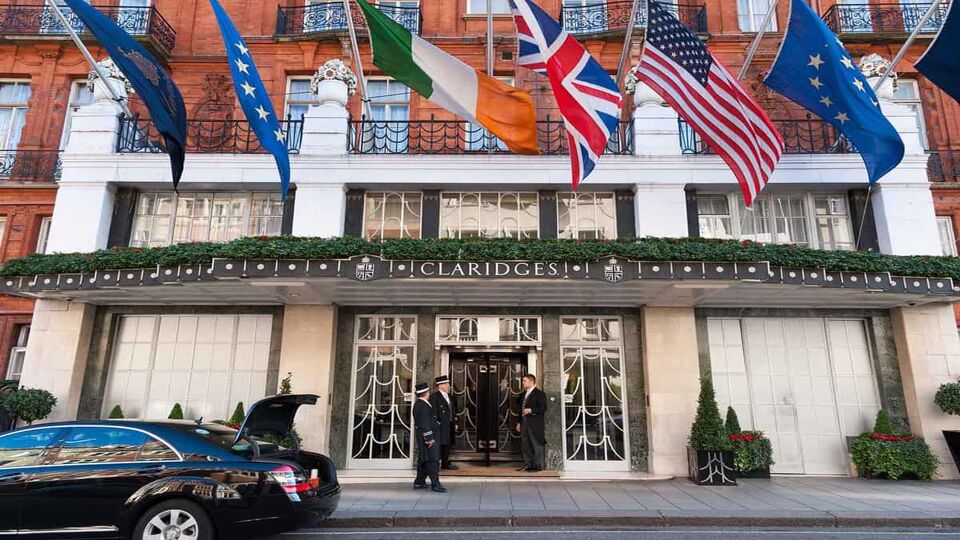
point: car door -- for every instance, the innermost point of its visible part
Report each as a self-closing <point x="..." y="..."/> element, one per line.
<point x="20" y="451"/>
<point x="89" y="477"/>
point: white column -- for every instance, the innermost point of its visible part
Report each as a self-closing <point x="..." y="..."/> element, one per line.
<point x="319" y="210"/>
<point x="661" y="210"/>
<point x="57" y="353"/>
<point x="325" y="129"/>
<point x="655" y="126"/>
<point x="82" y="220"/>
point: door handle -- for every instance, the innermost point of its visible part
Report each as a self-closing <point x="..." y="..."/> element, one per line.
<point x="153" y="469"/>
<point x="13" y="477"/>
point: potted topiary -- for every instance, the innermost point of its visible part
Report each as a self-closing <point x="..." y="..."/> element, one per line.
<point x="887" y="453"/>
<point x="948" y="399"/>
<point x="176" y="413"/>
<point x="116" y="413"/>
<point x="752" y="452"/>
<point x="710" y="455"/>
<point x="28" y="404"/>
<point x="237" y="417"/>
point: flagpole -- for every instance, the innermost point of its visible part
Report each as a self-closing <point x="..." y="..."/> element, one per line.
<point x="906" y="45"/>
<point x="490" y="38"/>
<point x="365" y="102"/>
<point x="756" y="40"/>
<point x="86" y="53"/>
<point x="628" y="40"/>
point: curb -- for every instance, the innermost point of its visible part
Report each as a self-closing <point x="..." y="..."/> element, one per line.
<point x="651" y="519"/>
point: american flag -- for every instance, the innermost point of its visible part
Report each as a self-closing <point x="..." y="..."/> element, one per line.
<point x="677" y="65"/>
<point x="586" y="95"/>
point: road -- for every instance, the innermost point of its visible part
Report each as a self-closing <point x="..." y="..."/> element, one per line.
<point x="632" y="534"/>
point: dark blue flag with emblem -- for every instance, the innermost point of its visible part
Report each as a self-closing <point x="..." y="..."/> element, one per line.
<point x="814" y="71"/>
<point x="253" y="96"/>
<point x="155" y="87"/>
<point x="941" y="61"/>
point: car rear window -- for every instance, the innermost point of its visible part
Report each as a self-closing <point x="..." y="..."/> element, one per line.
<point x="223" y="436"/>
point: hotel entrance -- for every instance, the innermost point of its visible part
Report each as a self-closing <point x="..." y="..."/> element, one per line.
<point x="487" y="387"/>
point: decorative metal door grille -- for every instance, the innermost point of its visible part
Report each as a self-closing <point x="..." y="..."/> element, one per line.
<point x="488" y="389"/>
<point x="385" y="353"/>
<point x="593" y="411"/>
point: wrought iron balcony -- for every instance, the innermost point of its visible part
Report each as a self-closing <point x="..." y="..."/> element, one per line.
<point x="39" y="20"/>
<point x="892" y="18"/>
<point x="614" y="16"/>
<point x="419" y="137"/>
<point x="331" y="17"/>
<point x="807" y="136"/>
<point x="30" y="165"/>
<point x="204" y="136"/>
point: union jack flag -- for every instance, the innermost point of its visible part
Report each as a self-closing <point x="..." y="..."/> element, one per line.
<point x="586" y="95"/>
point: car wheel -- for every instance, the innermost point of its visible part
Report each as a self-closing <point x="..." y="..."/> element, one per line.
<point x="174" y="520"/>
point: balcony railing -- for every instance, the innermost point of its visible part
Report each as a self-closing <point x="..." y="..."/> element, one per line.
<point x="808" y="136"/>
<point x="418" y="137"/>
<point x="29" y="165"/>
<point x="320" y="18"/>
<point x="614" y="16"/>
<point x="204" y="136"/>
<point x="944" y="166"/>
<point x="39" y="20"/>
<point x="883" y="18"/>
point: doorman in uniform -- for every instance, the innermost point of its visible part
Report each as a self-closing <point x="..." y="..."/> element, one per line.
<point x="445" y="411"/>
<point x="428" y="451"/>
<point x="531" y="428"/>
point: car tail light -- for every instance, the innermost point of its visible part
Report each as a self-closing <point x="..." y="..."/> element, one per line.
<point x="291" y="480"/>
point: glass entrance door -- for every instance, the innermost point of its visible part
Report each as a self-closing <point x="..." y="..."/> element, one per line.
<point x="487" y="387"/>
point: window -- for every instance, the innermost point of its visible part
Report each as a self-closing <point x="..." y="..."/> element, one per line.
<point x="907" y="93"/>
<point x="299" y="98"/>
<point x="480" y="6"/>
<point x="594" y="419"/>
<point x="166" y="218"/>
<point x="392" y="215"/>
<point x="489" y="215"/>
<point x="818" y="220"/>
<point x="750" y="14"/>
<point x="98" y="445"/>
<point x="80" y="95"/>
<point x="948" y="240"/>
<point x="3" y="227"/>
<point x="586" y="216"/>
<point x="18" y="352"/>
<point x="479" y="139"/>
<point x="43" y="235"/>
<point x="390" y="108"/>
<point x="206" y="363"/>
<point x="14" y="96"/>
<point x="24" y="448"/>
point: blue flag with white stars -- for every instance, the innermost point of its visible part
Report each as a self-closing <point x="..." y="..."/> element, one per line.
<point x="253" y="96"/>
<point x="814" y="71"/>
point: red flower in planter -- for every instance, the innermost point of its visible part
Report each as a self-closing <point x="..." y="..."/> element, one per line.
<point x="892" y="438"/>
<point x="264" y="237"/>
<point x="746" y="243"/>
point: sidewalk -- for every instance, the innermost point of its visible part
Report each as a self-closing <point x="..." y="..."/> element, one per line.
<point x="779" y="502"/>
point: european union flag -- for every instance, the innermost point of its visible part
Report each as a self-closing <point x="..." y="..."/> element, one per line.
<point x="148" y="78"/>
<point x="253" y="96"/>
<point x="814" y="71"/>
<point x="941" y="63"/>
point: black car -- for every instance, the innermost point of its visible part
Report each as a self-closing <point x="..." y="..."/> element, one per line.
<point x="164" y="480"/>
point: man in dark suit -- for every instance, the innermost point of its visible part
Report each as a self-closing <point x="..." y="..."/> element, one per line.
<point x="428" y="451"/>
<point x="532" y="436"/>
<point x="445" y="410"/>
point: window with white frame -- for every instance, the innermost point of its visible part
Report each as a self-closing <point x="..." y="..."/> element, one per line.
<point x="3" y="228"/>
<point x="18" y="353"/>
<point x="818" y="220"/>
<point x="750" y="14"/>
<point x="14" y="96"/>
<point x="907" y="93"/>
<point x="390" y="110"/>
<point x="489" y="215"/>
<point x="391" y="214"/>
<point x="163" y="218"/>
<point x="480" y="6"/>
<point x="948" y="240"/>
<point x="299" y="97"/>
<point x="43" y="235"/>
<point x="80" y="95"/>
<point x="586" y="216"/>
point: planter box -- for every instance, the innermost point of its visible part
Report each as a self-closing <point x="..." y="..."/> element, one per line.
<point x="711" y="468"/>
<point x="756" y="473"/>
<point x="953" y="442"/>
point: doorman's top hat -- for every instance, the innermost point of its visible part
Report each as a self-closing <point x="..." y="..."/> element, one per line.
<point x="443" y="379"/>
<point x="422" y="388"/>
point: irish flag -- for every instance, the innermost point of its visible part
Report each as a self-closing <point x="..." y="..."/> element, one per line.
<point x="503" y="110"/>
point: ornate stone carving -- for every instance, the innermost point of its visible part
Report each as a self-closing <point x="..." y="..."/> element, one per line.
<point x="334" y="70"/>
<point x="217" y="100"/>
<point x="874" y="65"/>
<point x="118" y="80"/>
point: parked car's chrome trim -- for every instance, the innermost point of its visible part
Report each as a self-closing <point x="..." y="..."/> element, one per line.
<point x="71" y="426"/>
<point x="72" y="530"/>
